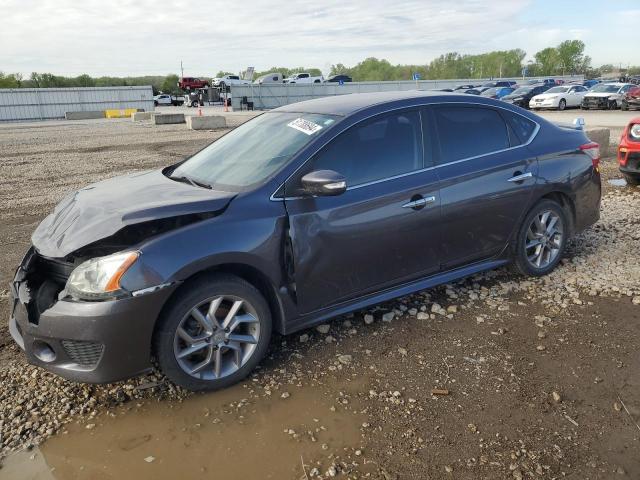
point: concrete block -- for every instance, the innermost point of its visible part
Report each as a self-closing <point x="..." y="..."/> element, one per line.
<point x="89" y="115"/>
<point x="206" y="122"/>
<point x="601" y="136"/>
<point x="167" y="118"/>
<point x="140" y="116"/>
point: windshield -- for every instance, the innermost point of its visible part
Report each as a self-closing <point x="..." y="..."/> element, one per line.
<point x="558" y="90"/>
<point x="522" y="91"/>
<point x="603" y="88"/>
<point x="254" y="151"/>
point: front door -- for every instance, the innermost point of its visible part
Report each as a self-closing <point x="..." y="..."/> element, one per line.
<point x="384" y="230"/>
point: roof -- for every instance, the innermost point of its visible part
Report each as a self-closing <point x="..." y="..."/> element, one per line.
<point x="353" y="102"/>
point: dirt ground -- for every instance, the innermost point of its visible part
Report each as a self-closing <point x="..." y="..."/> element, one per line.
<point x="532" y="378"/>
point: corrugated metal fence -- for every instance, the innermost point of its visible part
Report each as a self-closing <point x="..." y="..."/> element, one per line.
<point x="273" y="95"/>
<point x="52" y="103"/>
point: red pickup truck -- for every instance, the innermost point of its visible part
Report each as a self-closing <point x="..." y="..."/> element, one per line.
<point x="189" y="83"/>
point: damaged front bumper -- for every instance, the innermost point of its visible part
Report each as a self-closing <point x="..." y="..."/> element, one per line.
<point x="92" y="342"/>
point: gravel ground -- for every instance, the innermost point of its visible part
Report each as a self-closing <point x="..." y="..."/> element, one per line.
<point x="496" y="376"/>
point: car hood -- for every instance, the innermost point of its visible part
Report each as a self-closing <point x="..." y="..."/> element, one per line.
<point x="513" y="97"/>
<point x="101" y="209"/>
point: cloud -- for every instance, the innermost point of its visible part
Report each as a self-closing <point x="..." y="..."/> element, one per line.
<point x="151" y="37"/>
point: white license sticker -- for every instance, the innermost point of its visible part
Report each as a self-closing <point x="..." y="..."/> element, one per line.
<point x="304" y="126"/>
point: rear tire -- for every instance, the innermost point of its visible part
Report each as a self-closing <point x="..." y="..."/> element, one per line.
<point x="213" y="333"/>
<point x="541" y="239"/>
<point x="632" y="180"/>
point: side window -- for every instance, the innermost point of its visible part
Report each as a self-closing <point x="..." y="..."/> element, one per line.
<point x="466" y="132"/>
<point x="379" y="148"/>
<point x="522" y="127"/>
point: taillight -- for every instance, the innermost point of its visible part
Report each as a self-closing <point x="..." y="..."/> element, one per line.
<point x="593" y="150"/>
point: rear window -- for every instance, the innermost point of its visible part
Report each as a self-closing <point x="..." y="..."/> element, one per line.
<point x="466" y="132"/>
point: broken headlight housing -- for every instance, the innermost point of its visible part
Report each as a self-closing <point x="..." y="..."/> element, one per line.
<point x="99" y="278"/>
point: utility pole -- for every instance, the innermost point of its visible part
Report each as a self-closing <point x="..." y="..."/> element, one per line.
<point x="181" y="70"/>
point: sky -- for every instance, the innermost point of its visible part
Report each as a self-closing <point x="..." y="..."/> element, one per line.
<point x="152" y="37"/>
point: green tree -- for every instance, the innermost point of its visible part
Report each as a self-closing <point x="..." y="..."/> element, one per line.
<point x="10" y="80"/>
<point x="571" y="58"/>
<point x="170" y="84"/>
<point x="547" y="61"/>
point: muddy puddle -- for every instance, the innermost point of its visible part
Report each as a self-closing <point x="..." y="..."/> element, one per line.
<point x="228" y="435"/>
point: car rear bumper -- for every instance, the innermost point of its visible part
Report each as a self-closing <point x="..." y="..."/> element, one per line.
<point x="92" y="342"/>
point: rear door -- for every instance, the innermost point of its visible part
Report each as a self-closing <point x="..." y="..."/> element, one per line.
<point x="487" y="176"/>
<point x="384" y="230"/>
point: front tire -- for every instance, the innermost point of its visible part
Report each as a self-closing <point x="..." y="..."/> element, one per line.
<point x="562" y="104"/>
<point x="213" y="333"/>
<point x="541" y="239"/>
<point x="613" y="105"/>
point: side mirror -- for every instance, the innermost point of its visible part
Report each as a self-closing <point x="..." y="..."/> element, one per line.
<point x="324" y="183"/>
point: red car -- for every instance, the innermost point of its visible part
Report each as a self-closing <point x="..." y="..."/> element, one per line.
<point x="190" y="83"/>
<point x="629" y="152"/>
<point x="631" y="99"/>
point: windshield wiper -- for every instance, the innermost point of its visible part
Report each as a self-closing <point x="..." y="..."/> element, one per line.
<point x="191" y="181"/>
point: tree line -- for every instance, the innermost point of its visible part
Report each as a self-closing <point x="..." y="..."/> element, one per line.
<point x="566" y="58"/>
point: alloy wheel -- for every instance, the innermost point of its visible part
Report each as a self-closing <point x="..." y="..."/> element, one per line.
<point x="216" y="337"/>
<point x="544" y="239"/>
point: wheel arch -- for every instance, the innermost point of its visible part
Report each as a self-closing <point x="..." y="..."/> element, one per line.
<point x="567" y="204"/>
<point x="250" y="274"/>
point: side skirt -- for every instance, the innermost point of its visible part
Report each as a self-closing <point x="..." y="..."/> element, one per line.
<point x="319" y="316"/>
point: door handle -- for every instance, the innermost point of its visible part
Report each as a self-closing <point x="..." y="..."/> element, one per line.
<point x="419" y="203"/>
<point x="520" y="177"/>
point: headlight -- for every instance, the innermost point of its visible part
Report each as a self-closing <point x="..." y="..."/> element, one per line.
<point x="635" y="131"/>
<point x="99" y="278"/>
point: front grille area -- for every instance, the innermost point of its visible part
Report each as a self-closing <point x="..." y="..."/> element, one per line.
<point x="86" y="354"/>
<point x="596" y="102"/>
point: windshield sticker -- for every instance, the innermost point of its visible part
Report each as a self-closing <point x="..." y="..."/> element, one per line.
<point x="305" y="126"/>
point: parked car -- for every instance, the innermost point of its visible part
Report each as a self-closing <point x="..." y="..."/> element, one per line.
<point x="340" y="78"/>
<point x="547" y="81"/>
<point x="477" y="90"/>
<point x="191" y="83"/>
<point x="464" y="87"/>
<point x="274" y="77"/>
<point x="500" y="83"/>
<point x="631" y="99"/>
<point x="497" y="92"/>
<point x="304" y="78"/>
<point x="297" y="216"/>
<point x="522" y="96"/>
<point x="229" y="80"/>
<point x="559" y="97"/>
<point x="590" y="83"/>
<point x="629" y="152"/>
<point x="605" y="95"/>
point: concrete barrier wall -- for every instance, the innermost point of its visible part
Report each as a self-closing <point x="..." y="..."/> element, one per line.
<point x="206" y="122"/>
<point x="267" y="96"/>
<point x="167" y="118"/>
<point x="53" y="103"/>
